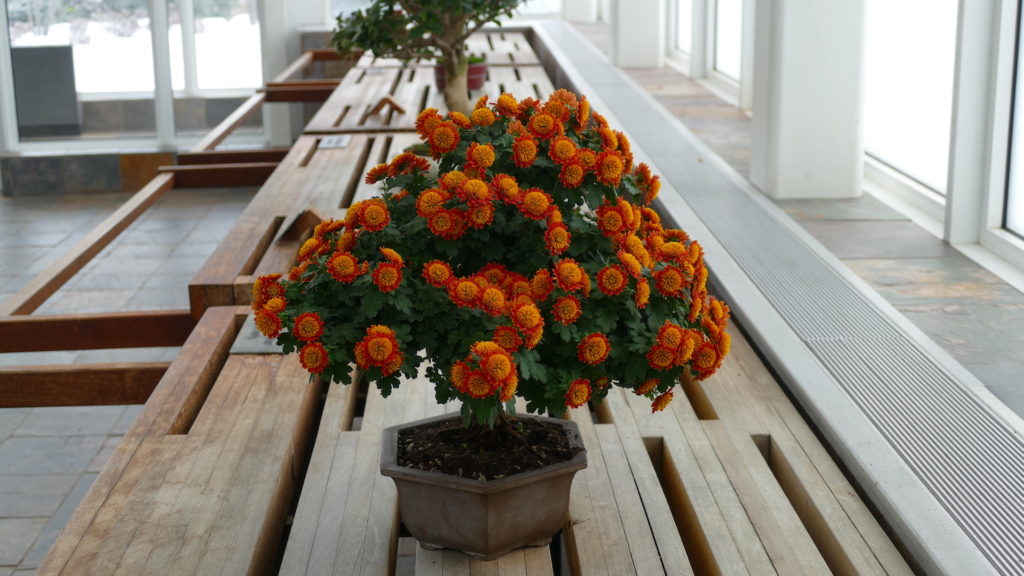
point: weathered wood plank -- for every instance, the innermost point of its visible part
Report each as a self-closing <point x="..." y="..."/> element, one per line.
<point x="94" y="330"/>
<point x="79" y="384"/>
<point x="232" y="156"/>
<point x="40" y="288"/>
<point x="220" y="175"/>
<point x="169" y="409"/>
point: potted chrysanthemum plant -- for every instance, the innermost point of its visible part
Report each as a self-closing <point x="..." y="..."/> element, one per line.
<point x="532" y="266"/>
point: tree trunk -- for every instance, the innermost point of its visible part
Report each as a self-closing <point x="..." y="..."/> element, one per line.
<point x="456" y="92"/>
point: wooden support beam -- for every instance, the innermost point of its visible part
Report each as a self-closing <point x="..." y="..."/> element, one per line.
<point x="228" y="125"/>
<point x="52" y="278"/>
<point x="95" y="331"/>
<point x="298" y="93"/>
<point x="232" y="156"/>
<point x="79" y="384"/>
<point x="220" y="175"/>
<point x="329" y="55"/>
<point x="295" y="67"/>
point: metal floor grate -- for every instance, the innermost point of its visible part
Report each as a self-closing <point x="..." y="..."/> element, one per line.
<point x="969" y="457"/>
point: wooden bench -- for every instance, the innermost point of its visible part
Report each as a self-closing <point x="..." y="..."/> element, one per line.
<point x="729" y="480"/>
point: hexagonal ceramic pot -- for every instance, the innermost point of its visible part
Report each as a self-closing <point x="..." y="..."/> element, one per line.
<point x="483" y="519"/>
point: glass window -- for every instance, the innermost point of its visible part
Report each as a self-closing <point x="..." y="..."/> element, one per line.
<point x="70" y="60"/>
<point x="684" y="26"/>
<point x="729" y="37"/>
<point x="909" y="58"/>
<point x="1013" y="217"/>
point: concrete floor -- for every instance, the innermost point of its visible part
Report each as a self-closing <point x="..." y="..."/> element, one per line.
<point x="970" y="312"/>
<point x="50" y="456"/>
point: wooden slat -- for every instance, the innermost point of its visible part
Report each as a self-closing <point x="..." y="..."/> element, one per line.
<point x="54" y="276"/>
<point x="295" y="67"/>
<point x="232" y="156"/>
<point x="228" y="125"/>
<point x="298" y="93"/>
<point x="220" y="175"/>
<point x="170" y="409"/>
<point x="95" y="331"/>
<point x="79" y="384"/>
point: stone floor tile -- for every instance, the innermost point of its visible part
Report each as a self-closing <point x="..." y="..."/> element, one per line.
<point x="8" y="570"/>
<point x="1003" y="380"/>
<point x="877" y="239"/>
<point x="70" y="421"/>
<point x="10" y="419"/>
<point x="32" y="496"/>
<point x="84" y="301"/>
<point x="16" y="537"/>
<point x="42" y="455"/>
<point x="866" y="207"/>
<point x="35" y="358"/>
<point x="184" y="265"/>
<point x="124" y="423"/>
<point x="194" y="249"/>
<point x="158" y="299"/>
<point x="149" y="354"/>
<point x="56" y="523"/>
<point x="100" y="460"/>
<point x="102" y="280"/>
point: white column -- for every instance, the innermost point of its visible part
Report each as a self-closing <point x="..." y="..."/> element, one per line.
<point x="279" y="42"/>
<point x="579" y="10"/>
<point x="163" y="94"/>
<point x="8" y="112"/>
<point x="807" y="113"/>
<point x="638" y="33"/>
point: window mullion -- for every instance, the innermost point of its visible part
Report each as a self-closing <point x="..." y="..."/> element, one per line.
<point x="8" y="112"/>
<point x="163" y="96"/>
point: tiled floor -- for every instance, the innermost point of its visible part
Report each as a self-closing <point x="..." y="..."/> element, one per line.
<point x="50" y="456"/>
<point x="971" y="313"/>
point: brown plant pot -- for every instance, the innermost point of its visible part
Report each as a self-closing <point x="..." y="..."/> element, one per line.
<point x="482" y="519"/>
<point x="476" y="75"/>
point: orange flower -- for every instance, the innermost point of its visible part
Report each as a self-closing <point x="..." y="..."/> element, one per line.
<point x="661" y="357"/>
<point x="670" y="335"/>
<point x="578" y="393"/>
<point x="376" y="173"/>
<point x="480" y="216"/>
<point x="407" y="163"/>
<point x="611" y="280"/>
<point x="569" y="275"/>
<point x="265" y="288"/>
<point x="647" y="387"/>
<point x="669" y="281"/>
<point x="452" y="180"/>
<point x="661" y="402"/>
<point x="460" y="120"/>
<point x="571" y="174"/>
<point x="442" y="223"/>
<point x="508" y="389"/>
<point x="392" y="256"/>
<point x="474" y="191"/>
<point x="464" y="292"/>
<point x="387" y="276"/>
<point x="557" y="238"/>
<point x="543" y="126"/>
<point x="610" y="220"/>
<point x="583" y="113"/>
<point x="478" y="386"/>
<point x="429" y="202"/>
<point x="296" y="273"/>
<point x="686" y="346"/>
<point x="566" y="309"/>
<point x="480" y="154"/>
<point x="562" y="150"/>
<point x="588" y="158"/>
<point x="313" y="357"/>
<point x="275" y="305"/>
<point x="310" y="248"/>
<point x="508" y="338"/>
<point x="536" y="204"/>
<point x="533" y="337"/>
<point x="374" y="215"/>
<point x="706" y="360"/>
<point x="437" y="273"/>
<point x="651" y="192"/>
<point x="492" y="301"/>
<point x="557" y="109"/>
<point x="506" y="188"/>
<point x="308" y="326"/>
<point x="541" y="285"/>
<point x="494" y="273"/>
<point x="524" y="151"/>
<point x="482" y="117"/>
<point x="343" y="267"/>
<point x="444" y="139"/>
<point x="608" y="138"/>
<point x="593" y="349"/>
<point x="527" y="317"/>
<point x="631" y="264"/>
<point x="507" y="106"/>
<point x="379" y="348"/>
<point x="426" y="121"/>
<point x="268" y="323"/>
<point x="460" y="375"/>
<point x="609" y="168"/>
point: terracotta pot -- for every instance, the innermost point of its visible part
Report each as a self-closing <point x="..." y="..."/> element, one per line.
<point x="476" y="75"/>
<point x="482" y="519"/>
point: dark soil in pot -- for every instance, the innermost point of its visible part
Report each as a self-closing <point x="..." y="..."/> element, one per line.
<point x="512" y="446"/>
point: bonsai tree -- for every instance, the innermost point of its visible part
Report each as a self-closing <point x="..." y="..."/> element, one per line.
<point x="410" y="29"/>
